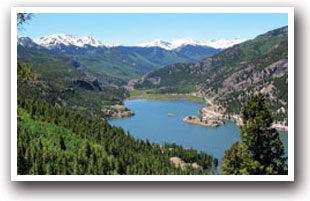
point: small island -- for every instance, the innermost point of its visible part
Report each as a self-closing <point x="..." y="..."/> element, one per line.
<point x="203" y="122"/>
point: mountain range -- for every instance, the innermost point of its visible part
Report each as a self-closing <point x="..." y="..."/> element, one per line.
<point x="56" y="40"/>
<point x="121" y="62"/>
<point x="86" y="75"/>
<point x="230" y="76"/>
<point x="219" y="44"/>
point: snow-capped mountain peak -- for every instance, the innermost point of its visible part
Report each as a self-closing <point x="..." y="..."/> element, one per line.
<point x="26" y="42"/>
<point x="89" y="41"/>
<point x="59" y="40"/>
<point x="182" y="42"/>
<point x="169" y="45"/>
<point x="66" y="39"/>
<point x="223" y="43"/>
<point x="158" y="43"/>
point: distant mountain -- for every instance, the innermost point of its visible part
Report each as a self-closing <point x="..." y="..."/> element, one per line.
<point x="229" y="77"/>
<point x="26" y="42"/>
<point x="61" y="40"/>
<point x="122" y="62"/>
<point x="174" y="44"/>
<point x="223" y="43"/>
<point x="67" y="40"/>
<point x="159" y="43"/>
<point x="196" y="52"/>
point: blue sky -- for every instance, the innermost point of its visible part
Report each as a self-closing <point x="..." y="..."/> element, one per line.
<point x="137" y="28"/>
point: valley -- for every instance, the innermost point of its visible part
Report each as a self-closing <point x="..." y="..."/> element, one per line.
<point x="88" y="75"/>
<point x="154" y="94"/>
<point x="231" y="76"/>
<point x="116" y="61"/>
<point x="159" y="108"/>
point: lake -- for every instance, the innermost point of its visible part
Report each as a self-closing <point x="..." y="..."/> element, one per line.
<point x="152" y="122"/>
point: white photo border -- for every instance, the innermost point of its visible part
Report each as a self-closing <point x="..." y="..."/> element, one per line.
<point x="16" y="177"/>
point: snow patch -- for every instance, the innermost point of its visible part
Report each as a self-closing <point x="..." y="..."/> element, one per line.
<point x="66" y="39"/>
<point x="222" y="44"/>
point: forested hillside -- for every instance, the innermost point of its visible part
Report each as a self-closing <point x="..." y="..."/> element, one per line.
<point x="54" y="139"/>
<point x="92" y="79"/>
<point x="119" y="62"/>
<point x="229" y="77"/>
<point x="64" y="83"/>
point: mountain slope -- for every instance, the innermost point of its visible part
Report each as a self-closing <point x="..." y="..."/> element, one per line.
<point x="56" y="140"/>
<point x="123" y="62"/>
<point x="229" y="77"/>
<point x="196" y="52"/>
<point x="62" y="82"/>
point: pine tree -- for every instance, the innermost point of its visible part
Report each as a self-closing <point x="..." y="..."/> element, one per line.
<point x="22" y="18"/>
<point x="261" y="150"/>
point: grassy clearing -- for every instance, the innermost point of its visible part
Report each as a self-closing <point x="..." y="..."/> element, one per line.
<point x="153" y="94"/>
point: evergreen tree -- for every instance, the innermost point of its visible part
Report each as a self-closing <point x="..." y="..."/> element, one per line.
<point x="261" y="150"/>
<point x="22" y="18"/>
<point x="82" y="144"/>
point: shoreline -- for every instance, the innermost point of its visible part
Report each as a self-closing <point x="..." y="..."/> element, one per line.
<point x="213" y="112"/>
<point x="150" y="94"/>
<point x="216" y="115"/>
<point x="117" y="111"/>
<point x="207" y="122"/>
<point x="163" y="99"/>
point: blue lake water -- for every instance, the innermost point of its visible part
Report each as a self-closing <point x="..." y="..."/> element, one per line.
<point x="152" y="122"/>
